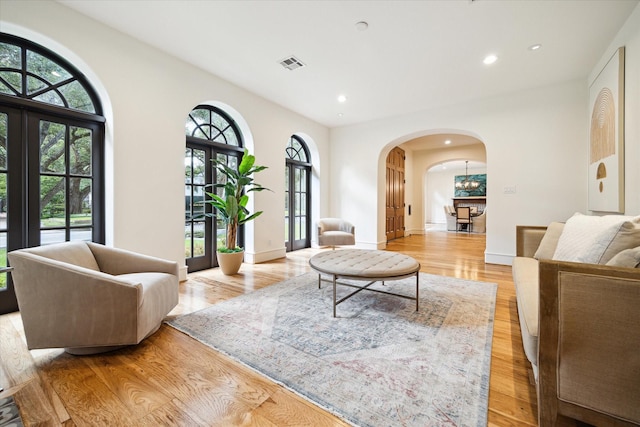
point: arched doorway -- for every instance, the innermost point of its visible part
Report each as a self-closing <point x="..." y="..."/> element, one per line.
<point x="423" y="150"/>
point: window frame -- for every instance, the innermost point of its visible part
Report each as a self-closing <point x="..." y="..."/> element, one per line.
<point x="23" y="156"/>
<point x="291" y="165"/>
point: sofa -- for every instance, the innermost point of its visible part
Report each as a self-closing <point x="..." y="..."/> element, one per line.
<point x="578" y="300"/>
<point x="89" y="298"/>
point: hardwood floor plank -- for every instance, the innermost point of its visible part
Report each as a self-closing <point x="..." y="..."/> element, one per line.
<point x="171" y="379"/>
<point x="283" y="405"/>
<point x="173" y="413"/>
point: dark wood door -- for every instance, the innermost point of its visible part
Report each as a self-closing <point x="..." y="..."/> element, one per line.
<point x="395" y="194"/>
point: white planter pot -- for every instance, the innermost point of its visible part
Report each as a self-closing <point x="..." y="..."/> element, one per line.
<point x="230" y="262"/>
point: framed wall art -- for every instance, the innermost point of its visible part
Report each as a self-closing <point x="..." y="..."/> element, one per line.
<point x="606" y="137"/>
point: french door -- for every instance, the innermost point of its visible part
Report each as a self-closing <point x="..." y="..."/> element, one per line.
<point x="50" y="184"/>
<point x="297" y="206"/>
<point x="204" y="234"/>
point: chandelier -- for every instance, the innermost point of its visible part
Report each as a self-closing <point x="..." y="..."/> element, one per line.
<point x="467" y="184"/>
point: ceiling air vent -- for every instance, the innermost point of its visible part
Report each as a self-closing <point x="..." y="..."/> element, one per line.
<point x="291" y="63"/>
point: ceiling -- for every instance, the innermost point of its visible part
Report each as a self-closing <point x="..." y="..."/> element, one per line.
<point x="414" y="55"/>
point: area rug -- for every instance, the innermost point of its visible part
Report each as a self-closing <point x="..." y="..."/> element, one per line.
<point x="379" y="362"/>
<point x="9" y="414"/>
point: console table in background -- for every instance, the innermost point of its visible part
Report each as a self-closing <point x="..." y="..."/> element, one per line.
<point x="478" y="201"/>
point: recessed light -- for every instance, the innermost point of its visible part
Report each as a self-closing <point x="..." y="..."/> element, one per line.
<point x="342" y="98"/>
<point x="340" y="114"/>
<point x="490" y="59"/>
<point x="535" y="46"/>
<point x="362" y="26"/>
<point x="447" y="142"/>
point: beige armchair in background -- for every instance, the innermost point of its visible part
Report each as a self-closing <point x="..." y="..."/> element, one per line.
<point x="88" y="298"/>
<point x="480" y="222"/>
<point x="335" y="232"/>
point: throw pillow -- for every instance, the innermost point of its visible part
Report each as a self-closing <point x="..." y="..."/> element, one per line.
<point x="627" y="258"/>
<point x="627" y="237"/>
<point x="549" y="241"/>
<point x="585" y="238"/>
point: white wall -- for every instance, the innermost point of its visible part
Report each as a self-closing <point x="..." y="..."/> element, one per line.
<point x="535" y="140"/>
<point x="147" y="95"/>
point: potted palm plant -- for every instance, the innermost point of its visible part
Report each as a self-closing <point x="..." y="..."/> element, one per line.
<point x="231" y="207"/>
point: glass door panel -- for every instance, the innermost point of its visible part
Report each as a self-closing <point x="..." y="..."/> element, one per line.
<point x="286" y="209"/>
<point x="66" y="190"/>
<point x="4" y="122"/>
<point x="197" y="224"/>
<point x="297" y="207"/>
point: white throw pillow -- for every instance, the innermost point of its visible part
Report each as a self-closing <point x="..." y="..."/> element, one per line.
<point x="585" y="238"/>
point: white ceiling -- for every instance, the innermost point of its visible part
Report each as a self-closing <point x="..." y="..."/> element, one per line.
<point x="415" y="55"/>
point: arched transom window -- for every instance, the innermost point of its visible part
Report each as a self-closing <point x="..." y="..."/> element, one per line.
<point x="29" y="74"/>
<point x="297" y="150"/>
<point x="213" y="125"/>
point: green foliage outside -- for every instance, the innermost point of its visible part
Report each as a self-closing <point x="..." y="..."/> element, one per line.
<point x="53" y="166"/>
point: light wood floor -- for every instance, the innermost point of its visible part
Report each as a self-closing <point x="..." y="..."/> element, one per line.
<point x="170" y="379"/>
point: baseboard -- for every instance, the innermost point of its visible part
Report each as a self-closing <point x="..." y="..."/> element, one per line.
<point x="258" y="257"/>
<point x="182" y="273"/>
<point x="413" y="231"/>
<point x="502" y="259"/>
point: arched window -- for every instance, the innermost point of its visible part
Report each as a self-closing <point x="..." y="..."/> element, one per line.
<point x="297" y="202"/>
<point x="211" y="134"/>
<point x="51" y="153"/>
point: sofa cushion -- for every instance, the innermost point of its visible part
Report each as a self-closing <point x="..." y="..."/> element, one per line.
<point x="76" y="253"/>
<point x="549" y="241"/>
<point x="627" y="258"/>
<point x="627" y="237"/>
<point x="586" y="238"/>
<point x="525" y="278"/>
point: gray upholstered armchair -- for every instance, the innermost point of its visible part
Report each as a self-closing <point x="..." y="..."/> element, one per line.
<point x="89" y="298"/>
<point x="335" y="232"/>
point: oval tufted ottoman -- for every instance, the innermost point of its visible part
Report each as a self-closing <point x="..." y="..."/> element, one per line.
<point x="363" y="264"/>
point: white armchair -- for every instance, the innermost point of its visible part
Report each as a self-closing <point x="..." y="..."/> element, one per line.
<point x="88" y="298"/>
<point x="335" y="232"/>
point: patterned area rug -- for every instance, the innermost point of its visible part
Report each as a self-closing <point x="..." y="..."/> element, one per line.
<point x="379" y="363"/>
<point x="9" y="415"/>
